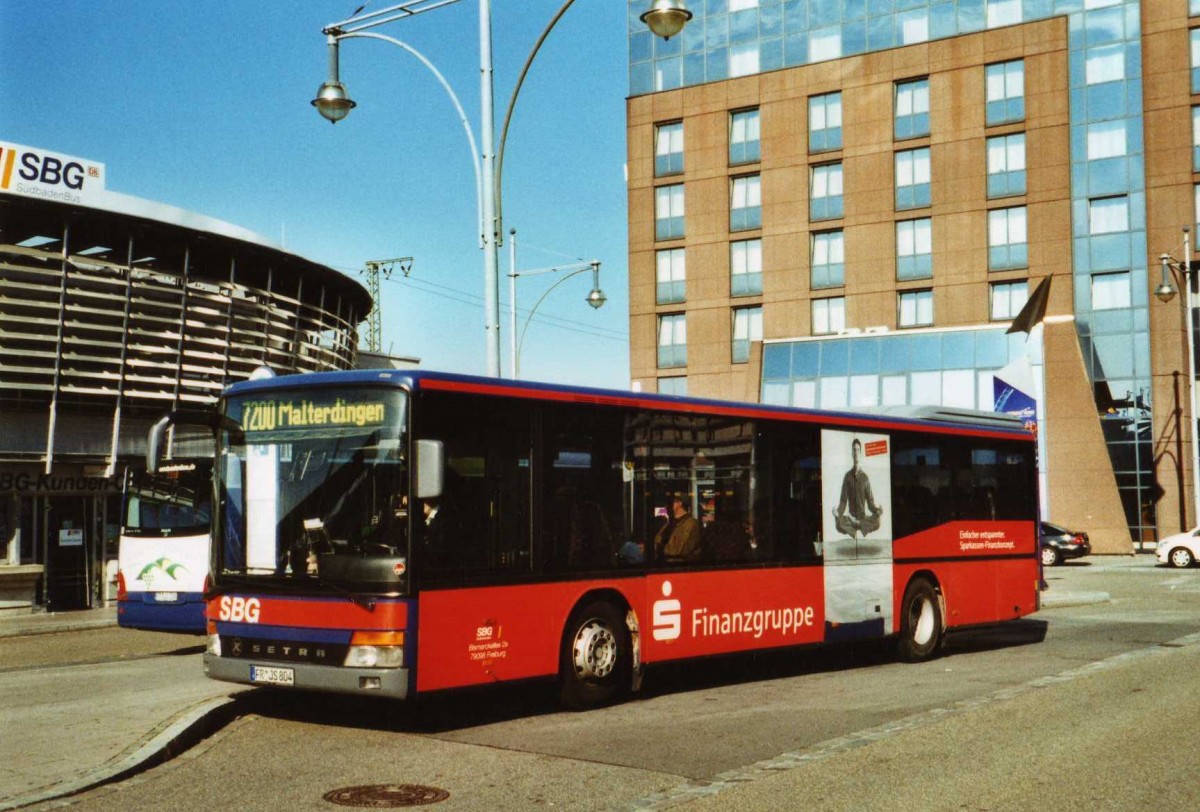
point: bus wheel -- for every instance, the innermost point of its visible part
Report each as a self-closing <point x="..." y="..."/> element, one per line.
<point x="595" y="658"/>
<point x="920" y="622"/>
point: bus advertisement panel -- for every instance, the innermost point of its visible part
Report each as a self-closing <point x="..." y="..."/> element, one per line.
<point x="395" y="533"/>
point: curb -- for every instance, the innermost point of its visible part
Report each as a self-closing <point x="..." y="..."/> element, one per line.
<point x="170" y="739"/>
<point x="56" y="627"/>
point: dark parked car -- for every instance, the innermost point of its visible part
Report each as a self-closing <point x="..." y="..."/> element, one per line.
<point x="1059" y="544"/>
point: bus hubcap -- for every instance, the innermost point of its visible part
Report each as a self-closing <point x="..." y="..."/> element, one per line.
<point x="595" y="651"/>
<point x="923" y="625"/>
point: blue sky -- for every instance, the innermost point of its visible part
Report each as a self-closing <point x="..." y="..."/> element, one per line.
<point x="205" y="106"/>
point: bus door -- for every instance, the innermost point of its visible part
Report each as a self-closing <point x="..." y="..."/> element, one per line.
<point x="857" y="533"/>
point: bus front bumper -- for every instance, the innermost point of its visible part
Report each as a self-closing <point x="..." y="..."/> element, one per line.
<point x="386" y="682"/>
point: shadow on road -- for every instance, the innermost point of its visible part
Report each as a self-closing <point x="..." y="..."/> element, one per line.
<point x="474" y="707"/>
<point x="1021" y="632"/>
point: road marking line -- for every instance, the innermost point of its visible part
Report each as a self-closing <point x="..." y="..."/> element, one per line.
<point x="681" y="794"/>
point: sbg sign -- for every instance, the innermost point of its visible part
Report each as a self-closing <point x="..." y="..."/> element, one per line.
<point x="51" y="171"/>
<point x="36" y="173"/>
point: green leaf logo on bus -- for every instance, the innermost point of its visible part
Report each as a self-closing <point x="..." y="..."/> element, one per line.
<point x="163" y="565"/>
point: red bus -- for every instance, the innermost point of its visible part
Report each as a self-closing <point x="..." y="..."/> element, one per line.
<point x="402" y="532"/>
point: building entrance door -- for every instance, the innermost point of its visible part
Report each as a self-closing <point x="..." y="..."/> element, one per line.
<point x="66" y="529"/>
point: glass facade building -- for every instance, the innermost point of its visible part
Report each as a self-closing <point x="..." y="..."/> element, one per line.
<point x="1107" y="185"/>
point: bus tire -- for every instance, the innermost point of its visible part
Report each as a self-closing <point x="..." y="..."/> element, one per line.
<point x="596" y="656"/>
<point x="921" y="625"/>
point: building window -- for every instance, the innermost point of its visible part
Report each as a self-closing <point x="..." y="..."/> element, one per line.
<point x="743" y="59"/>
<point x="1005" y="92"/>
<point x="672" y="276"/>
<point x="742" y="5"/>
<point x="913" y="26"/>
<point x="912" y="109"/>
<point x="1196" y="207"/>
<point x="747" y="328"/>
<point x="1193" y="7"/>
<point x="1195" y="35"/>
<point x="745" y="209"/>
<point x="1106" y="139"/>
<point x="1008" y="298"/>
<point x="668" y="149"/>
<point x="828" y="259"/>
<point x="1105" y="63"/>
<point x="1003" y="12"/>
<point x="668" y="212"/>
<point x="743" y="137"/>
<point x="672" y="341"/>
<point x="826" y="202"/>
<point x="1110" y="291"/>
<point x="828" y="315"/>
<point x="916" y="308"/>
<point x="1108" y="215"/>
<point x="825" y="43"/>
<point x="914" y="249"/>
<point x="668" y="73"/>
<point x="1006" y="165"/>
<point x="1196" y="139"/>
<point x="676" y="385"/>
<point x="1007" y="239"/>
<point x="825" y="122"/>
<point x="912" y="179"/>
<point x="745" y="268"/>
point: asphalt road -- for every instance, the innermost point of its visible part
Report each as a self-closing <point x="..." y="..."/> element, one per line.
<point x="1070" y="709"/>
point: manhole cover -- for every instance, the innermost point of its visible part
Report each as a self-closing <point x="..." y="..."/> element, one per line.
<point x="386" y="796"/>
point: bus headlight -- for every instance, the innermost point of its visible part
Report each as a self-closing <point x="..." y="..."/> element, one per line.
<point x="374" y="657"/>
<point x="214" y="645"/>
<point x="375" y="650"/>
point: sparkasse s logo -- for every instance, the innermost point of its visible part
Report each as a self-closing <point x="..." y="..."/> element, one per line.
<point x="667" y="615"/>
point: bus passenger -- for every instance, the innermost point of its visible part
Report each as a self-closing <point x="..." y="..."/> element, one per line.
<point x="679" y="539"/>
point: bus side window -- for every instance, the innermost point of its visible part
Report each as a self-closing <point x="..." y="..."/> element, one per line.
<point x="581" y="481"/>
<point x="787" y="506"/>
<point x="484" y="506"/>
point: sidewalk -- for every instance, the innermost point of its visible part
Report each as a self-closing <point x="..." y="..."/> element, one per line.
<point x="154" y="708"/>
<point x="20" y="625"/>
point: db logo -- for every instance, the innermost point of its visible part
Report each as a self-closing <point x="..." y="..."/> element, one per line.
<point x="239" y="610"/>
<point x="667" y="615"/>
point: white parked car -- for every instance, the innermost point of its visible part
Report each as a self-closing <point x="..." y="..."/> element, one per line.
<point x="1181" y="549"/>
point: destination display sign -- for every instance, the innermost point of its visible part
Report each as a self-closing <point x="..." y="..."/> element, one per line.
<point x="280" y="413"/>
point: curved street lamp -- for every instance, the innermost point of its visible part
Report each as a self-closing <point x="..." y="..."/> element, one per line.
<point x="665" y="18"/>
<point x="595" y="300"/>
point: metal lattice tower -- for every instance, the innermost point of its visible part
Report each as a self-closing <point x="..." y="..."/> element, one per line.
<point x="372" y="269"/>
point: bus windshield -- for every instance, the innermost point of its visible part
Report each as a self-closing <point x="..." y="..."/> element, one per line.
<point x="313" y="488"/>
<point x="174" y="501"/>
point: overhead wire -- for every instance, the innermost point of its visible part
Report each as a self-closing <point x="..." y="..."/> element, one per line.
<point x="465" y="297"/>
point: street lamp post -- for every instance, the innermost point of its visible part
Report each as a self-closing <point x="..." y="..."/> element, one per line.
<point x="1165" y="292"/>
<point x="665" y="18"/>
<point x="595" y="297"/>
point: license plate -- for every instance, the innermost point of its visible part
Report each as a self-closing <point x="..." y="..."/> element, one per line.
<point x="166" y="597"/>
<point x="272" y="676"/>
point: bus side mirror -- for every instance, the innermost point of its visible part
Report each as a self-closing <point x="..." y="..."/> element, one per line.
<point x="154" y="443"/>
<point x="430" y="464"/>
